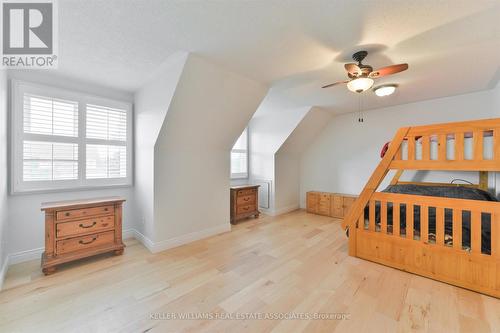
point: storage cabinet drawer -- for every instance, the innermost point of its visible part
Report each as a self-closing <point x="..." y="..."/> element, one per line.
<point x="246" y="192"/>
<point x="312" y="202"/>
<point x="348" y="202"/>
<point x="84" y="242"/>
<point x="64" y="229"/>
<point x="324" y="204"/>
<point x="77" y="213"/>
<point x="245" y="209"/>
<point x="337" y="205"/>
<point x="245" y="200"/>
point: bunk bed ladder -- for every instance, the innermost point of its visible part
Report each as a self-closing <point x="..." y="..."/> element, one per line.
<point x="371" y="186"/>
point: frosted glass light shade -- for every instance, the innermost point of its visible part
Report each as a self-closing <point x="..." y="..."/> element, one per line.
<point x="385" y="91"/>
<point x="360" y="84"/>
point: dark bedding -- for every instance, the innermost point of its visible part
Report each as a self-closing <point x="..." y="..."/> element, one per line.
<point x="458" y="192"/>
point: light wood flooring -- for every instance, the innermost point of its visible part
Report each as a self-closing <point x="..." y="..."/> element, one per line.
<point x="295" y="263"/>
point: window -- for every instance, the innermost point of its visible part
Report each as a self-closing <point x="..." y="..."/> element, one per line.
<point x="239" y="157"/>
<point x="66" y="140"/>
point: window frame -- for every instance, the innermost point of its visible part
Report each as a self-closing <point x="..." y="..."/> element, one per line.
<point x="17" y="137"/>
<point x="234" y="176"/>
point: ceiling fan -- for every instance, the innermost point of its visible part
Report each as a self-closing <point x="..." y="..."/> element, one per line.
<point x="361" y="76"/>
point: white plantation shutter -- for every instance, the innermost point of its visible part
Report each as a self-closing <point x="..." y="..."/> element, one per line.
<point x="106" y="161"/>
<point x="49" y="161"/>
<point x="50" y="116"/>
<point x="108" y="127"/>
<point x="239" y="156"/>
<point x="65" y="140"/>
<point x="106" y="123"/>
<point x="45" y="118"/>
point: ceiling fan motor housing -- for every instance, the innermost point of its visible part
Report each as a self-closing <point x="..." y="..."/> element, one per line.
<point x="359" y="56"/>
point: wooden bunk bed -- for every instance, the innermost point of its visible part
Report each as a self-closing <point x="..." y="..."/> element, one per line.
<point x="451" y="147"/>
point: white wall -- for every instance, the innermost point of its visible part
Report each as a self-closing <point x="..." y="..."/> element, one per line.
<point x="269" y="128"/>
<point x="3" y="174"/>
<point x="151" y="104"/>
<point x="287" y="159"/>
<point x="24" y="210"/>
<point x="344" y="155"/>
<point x="209" y="110"/>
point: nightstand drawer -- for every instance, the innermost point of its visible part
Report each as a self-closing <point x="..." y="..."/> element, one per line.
<point x="245" y="200"/>
<point x="96" y="224"/>
<point x="84" y="212"/>
<point x="246" y="209"/>
<point x="244" y="192"/>
<point x="84" y="242"/>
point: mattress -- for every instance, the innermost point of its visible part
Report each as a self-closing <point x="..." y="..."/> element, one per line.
<point x="450" y="148"/>
<point x="438" y="191"/>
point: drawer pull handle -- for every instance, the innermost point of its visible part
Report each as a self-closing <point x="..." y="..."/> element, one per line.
<point x="246" y="208"/>
<point x="246" y="199"/>
<point x="105" y="209"/>
<point x="85" y="243"/>
<point x="88" y="226"/>
<point x="67" y="214"/>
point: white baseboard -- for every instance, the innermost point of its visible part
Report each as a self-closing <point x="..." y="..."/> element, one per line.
<point x="128" y="233"/>
<point x="3" y="271"/>
<point x="188" y="238"/>
<point x="22" y="256"/>
<point x="154" y="247"/>
<point x="283" y="210"/>
<point x="148" y="243"/>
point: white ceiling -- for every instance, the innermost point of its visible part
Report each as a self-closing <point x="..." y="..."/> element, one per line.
<point x="452" y="47"/>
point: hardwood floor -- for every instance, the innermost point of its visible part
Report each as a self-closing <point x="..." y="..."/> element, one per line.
<point x="295" y="263"/>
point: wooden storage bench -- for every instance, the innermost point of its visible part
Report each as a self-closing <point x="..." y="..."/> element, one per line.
<point x="329" y="204"/>
<point x="81" y="228"/>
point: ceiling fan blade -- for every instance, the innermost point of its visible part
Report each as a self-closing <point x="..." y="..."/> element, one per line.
<point x="353" y="69"/>
<point x="384" y="71"/>
<point x="334" y="84"/>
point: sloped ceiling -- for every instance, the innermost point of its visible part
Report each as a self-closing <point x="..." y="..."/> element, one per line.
<point x="452" y="46"/>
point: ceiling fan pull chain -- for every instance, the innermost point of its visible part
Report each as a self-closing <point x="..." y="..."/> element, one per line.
<point x="360" y="109"/>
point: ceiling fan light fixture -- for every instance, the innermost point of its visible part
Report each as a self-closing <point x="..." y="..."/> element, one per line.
<point x="385" y="90"/>
<point x="360" y="84"/>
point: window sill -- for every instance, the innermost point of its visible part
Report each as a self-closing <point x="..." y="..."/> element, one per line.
<point x="238" y="177"/>
<point x="72" y="189"/>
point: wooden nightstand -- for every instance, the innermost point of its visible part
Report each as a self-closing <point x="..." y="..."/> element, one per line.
<point x="81" y="228"/>
<point x="244" y="202"/>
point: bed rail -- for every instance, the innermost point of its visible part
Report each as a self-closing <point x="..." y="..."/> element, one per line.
<point x="450" y="137"/>
<point x="458" y="256"/>
<point x="477" y="211"/>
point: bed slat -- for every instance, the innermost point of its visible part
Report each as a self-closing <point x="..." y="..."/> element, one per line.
<point x="496" y="144"/>
<point x="442" y="147"/>
<point x="383" y="217"/>
<point x="424" y="223"/>
<point x="457" y="229"/>
<point x="411" y="148"/>
<point x="409" y="221"/>
<point x="426" y="148"/>
<point x="475" y="232"/>
<point x="459" y="146"/>
<point x="495" y="233"/>
<point x="371" y="216"/>
<point x="440" y="226"/>
<point x="396" y="223"/>
<point x="478" y="145"/>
